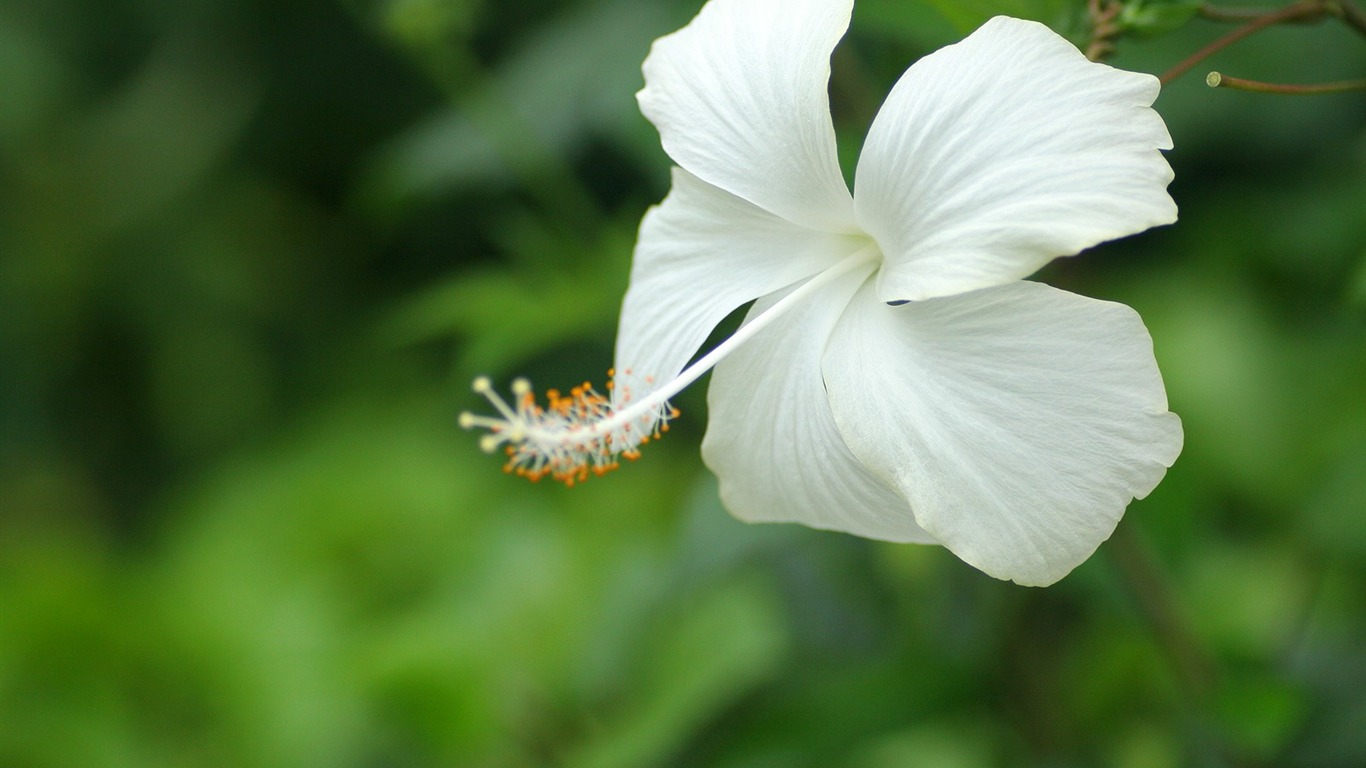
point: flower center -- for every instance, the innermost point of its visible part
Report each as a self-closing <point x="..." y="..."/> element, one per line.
<point x="571" y="438"/>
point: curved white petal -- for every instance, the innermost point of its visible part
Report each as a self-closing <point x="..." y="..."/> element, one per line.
<point x="1017" y="421"/>
<point x="702" y="253"/>
<point x="740" y="99"/>
<point x="771" y="439"/>
<point x="997" y="154"/>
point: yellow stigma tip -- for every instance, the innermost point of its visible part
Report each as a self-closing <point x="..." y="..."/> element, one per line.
<point x="481" y="385"/>
<point x="466" y="420"/>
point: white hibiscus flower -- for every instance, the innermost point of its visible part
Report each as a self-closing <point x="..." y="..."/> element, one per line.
<point x="895" y="378"/>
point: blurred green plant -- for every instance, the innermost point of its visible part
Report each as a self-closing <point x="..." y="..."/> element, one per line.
<point x="250" y="254"/>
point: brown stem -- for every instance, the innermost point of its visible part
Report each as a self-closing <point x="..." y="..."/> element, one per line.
<point x="1350" y="14"/>
<point x="1217" y="80"/>
<point x="1302" y="11"/>
<point x="1104" y="28"/>
<point x="1346" y="10"/>
<point x="1236" y="15"/>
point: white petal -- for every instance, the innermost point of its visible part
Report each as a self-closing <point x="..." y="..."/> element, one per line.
<point x="993" y="156"/>
<point x="1018" y="421"/>
<point x="740" y="100"/>
<point x="701" y="254"/>
<point x="771" y="439"/>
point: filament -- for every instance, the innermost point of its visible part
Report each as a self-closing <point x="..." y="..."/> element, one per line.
<point x="573" y="437"/>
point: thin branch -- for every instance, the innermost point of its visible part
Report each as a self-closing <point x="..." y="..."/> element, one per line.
<point x="1218" y="80"/>
<point x="1305" y="10"/>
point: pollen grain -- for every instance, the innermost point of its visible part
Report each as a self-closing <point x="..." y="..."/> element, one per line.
<point x="569" y="437"/>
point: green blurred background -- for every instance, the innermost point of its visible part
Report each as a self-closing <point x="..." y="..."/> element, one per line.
<point x="251" y="254"/>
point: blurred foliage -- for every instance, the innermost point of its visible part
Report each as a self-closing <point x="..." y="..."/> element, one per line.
<point x="251" y="253"/>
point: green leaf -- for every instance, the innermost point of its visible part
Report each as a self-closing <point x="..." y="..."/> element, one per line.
<point x="967" y="15"/>
<point x="919" y="22"/>
<point x="1156" y="17"/>
<point x="1356" y="289"/>
<point x="1333" y="518"/>
<point x="942" y="745"/>
<point x="717" y="650"/>
<point x="1260" y="714"/>
<point x="553" y="94"/>
<point x="563" y="291"/>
